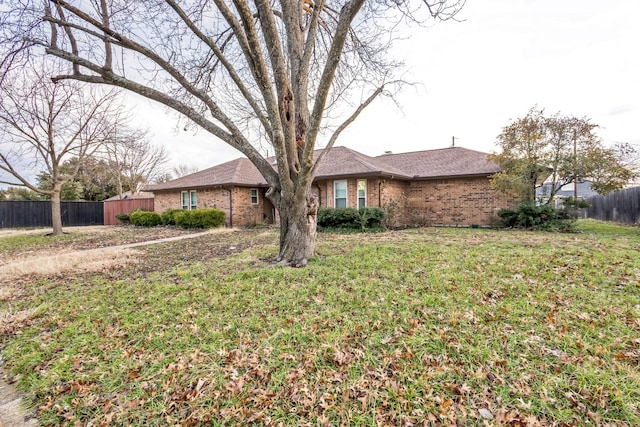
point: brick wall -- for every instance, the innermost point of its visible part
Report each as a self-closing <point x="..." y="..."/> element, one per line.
<point x="324" y="190"/>
<point x="394" y="201"/>
<point x="244" y="212"/>
<point x="456" y="201"/>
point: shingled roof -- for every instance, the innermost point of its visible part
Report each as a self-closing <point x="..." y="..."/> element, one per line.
<point x="344" y="162"/>
<point x="238" y="172"/>
<point x="442" y="163"/>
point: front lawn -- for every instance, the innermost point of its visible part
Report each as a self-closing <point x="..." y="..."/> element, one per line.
<point x="417" y="327"/>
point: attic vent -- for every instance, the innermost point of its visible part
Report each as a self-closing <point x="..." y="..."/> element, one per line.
<point x="388" y="152"/>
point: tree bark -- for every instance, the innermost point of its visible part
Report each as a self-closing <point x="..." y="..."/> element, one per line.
<point x="298" y="231"/>
<point x="56" y="214"/>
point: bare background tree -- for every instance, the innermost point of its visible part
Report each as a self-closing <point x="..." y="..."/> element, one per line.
<point x="251" y="73"/>
<point x="133" y="160"/>
<point x="42" y="124"/>
<point x="183" y="170"/>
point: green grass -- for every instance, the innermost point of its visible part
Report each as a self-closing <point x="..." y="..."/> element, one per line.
<point x="429" y="325"/>
<point x="16" y="242"/>
<point x="602" y="228"/>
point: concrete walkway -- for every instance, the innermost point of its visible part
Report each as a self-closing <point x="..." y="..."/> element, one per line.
<point x="12" y="412"/>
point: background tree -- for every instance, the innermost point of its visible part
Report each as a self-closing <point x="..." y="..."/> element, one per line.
<point x="42" y="124"/>
<point x="20" y="193"/>
<point x="70" y="190"/>
<point x="557" y="148"/>
<point x="96" y="178"/>
<point x="248" y="72"/>
<point x="93" y="181"/>
<point x="522" y="158"/>
<point x="183" y="170"/>
<point x="607" y="170"/>
<point x="133" y="160"/>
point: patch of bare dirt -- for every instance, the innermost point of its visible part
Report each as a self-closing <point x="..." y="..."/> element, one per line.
<point x="101" y="250"/>
<point x="84" y="238"/>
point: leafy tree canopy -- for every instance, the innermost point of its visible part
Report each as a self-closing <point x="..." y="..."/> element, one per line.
<point x="560" y="149"/>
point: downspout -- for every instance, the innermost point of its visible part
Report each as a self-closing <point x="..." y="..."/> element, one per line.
<point x="230" y="206"/>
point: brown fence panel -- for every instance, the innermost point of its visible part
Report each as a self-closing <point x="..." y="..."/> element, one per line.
<point x="115" y="207"/>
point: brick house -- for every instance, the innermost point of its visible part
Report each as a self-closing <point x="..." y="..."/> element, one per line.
<point x="447" y="186"/>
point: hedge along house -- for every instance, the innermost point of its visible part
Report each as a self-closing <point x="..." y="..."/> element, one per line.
<point x="447" y="186"/>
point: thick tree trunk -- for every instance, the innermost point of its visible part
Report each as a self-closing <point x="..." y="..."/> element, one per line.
<point x="56" y="215"/>
<point x="298" y="232"/>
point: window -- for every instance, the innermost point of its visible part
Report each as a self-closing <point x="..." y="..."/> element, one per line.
<point x="340" y="194"/>
<point x="254" y="196"/>
<point x="362" y="193"/>
<point x="185" y="199"/>
<point x="194" y="200"/>
<point x="189" y="200"/>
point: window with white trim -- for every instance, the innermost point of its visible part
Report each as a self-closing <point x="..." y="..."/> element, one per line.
<point x="194" y="200"/>
<point x="254" y="196"/>
<point x="362" y="193"/>
<point x="340" y="194"/>
<point x="189" y="200"/>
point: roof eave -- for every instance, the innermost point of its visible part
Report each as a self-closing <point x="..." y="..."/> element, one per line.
<point x="195" y="187"/>
<point x="366" y="174"/>
<point x="466" y="175"/>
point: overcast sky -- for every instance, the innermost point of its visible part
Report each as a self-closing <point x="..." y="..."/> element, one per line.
<point x="577" y="57"/>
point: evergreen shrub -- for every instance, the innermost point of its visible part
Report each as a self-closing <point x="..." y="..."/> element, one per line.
<point x="145" y="219"/>
<point x="199" y="218"/>
<point x="350" y="218"/>
<point x="123" y="218"/>
<point x="169" y="216"/>
<point x="534" y="216"/>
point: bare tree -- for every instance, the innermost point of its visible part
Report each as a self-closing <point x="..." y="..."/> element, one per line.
<point x="42" y="124"/>
<point x="248" y="72"/>
<point x="183" y="170"/>
<point x="133" y="160"/>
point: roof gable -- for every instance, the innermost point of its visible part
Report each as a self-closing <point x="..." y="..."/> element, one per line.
<point x="343" y="161"/>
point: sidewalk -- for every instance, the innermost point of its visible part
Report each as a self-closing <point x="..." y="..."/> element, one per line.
<point x="12" y="413"/>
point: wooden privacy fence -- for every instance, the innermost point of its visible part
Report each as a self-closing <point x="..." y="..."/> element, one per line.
<point x="115" y="207"/>
<point x="37" y="213"/>
<point x="621" y="206"/>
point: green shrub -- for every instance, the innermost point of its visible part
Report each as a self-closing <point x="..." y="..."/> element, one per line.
<point x="569" y="202"/>
<point x="530" y="215"/>
<point x="349" y="218"/>
<point x="123" y="218"/>
<point x="199" y="218"/>
<point x="145" y="219"/>
<point x="371" y="217"/>
<point x="338" y="218"/>
<point x="169" y="216"/>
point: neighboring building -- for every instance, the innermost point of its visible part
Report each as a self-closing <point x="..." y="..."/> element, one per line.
<point x="128" y="195"/>
<point x="568" y="190"/>
<point x="436" y="187"/>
